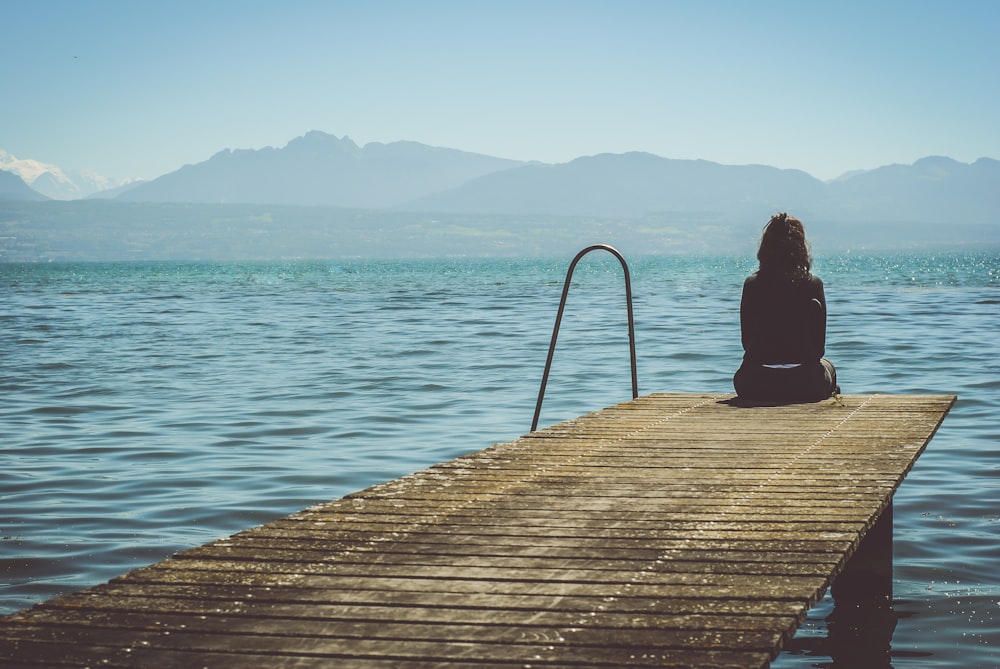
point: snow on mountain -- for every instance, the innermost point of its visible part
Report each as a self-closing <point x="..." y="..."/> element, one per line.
<point x="54" y="182"/>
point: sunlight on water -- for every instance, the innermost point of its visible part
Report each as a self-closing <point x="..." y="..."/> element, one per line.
<point x="145" y="408"/>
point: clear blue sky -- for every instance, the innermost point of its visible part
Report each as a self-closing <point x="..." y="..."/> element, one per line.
<point x="136" y="88"/>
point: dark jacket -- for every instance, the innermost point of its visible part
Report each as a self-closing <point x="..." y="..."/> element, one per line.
<point x="782" y="322"/>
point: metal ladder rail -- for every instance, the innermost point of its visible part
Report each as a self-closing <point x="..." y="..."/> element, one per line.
<point x="562" y="306"/>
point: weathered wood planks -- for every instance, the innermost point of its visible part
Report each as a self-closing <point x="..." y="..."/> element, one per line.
<point x="674" y="530"/>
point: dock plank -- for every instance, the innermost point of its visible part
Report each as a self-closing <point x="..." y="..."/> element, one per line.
<point x="678" y="530"/>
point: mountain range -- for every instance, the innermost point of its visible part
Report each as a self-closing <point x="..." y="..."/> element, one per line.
<point x="319" y="169"/>
<point x="51" y="181"/>
<point x="932" y="190"/>
<point x="321" y="196"/>
<point x="13" y="189"/>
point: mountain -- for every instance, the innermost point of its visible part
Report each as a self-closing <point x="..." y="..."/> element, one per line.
<point x="629" y="185"/>
<point x="320" y="169"/>
<point x="324" y="196"/>
<point x="932" y="190"/>
<point x="57" y="185"/>
<point x="13" y="189"/>
<point x="53" y="181"/>
<point x="111" y="193"/>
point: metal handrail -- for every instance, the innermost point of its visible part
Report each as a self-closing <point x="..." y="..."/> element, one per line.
<point x="562" y="306"/>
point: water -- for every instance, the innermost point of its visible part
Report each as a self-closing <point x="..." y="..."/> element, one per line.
<point x="150" y="407"/>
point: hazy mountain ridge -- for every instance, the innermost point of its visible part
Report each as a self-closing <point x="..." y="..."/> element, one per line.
<point x="629" y="185"/>
<point x="323" y="197"/>
<point x="932" y="190"/>
<point x="319" y="169"/>
<point x="56" y="183"/>
<point x="14" y="189"/>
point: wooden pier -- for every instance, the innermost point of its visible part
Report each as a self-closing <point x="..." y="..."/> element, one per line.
<point x="678" y="530"/>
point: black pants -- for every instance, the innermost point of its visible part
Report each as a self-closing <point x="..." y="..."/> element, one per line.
<point x="805" y="383"/>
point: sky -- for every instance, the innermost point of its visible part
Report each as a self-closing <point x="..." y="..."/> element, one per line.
<point x="139" y="89"/>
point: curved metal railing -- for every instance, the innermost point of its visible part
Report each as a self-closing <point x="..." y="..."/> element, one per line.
<point x="562" y="306"/>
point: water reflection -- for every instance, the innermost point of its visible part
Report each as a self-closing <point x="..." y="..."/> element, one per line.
<point x="860" y="628"/>
<point x="859" y="636"/>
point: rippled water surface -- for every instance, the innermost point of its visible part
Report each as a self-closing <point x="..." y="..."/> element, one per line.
<point x="146" y="408"/>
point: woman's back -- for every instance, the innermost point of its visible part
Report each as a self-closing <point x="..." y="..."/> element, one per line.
<point x="783" y="321"/>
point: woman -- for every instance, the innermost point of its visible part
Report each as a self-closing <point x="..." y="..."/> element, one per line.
<point x="783" y="322"/>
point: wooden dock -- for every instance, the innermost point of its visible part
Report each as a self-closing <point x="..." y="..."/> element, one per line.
<point x="677" y="530"/>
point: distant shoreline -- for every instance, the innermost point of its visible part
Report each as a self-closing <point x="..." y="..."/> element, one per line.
<point x="107" y="230"/>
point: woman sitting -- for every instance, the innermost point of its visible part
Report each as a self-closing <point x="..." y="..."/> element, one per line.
<point x="783" y="322"/>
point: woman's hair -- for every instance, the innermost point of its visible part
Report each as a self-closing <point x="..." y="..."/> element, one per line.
<point x="784" y="251"/>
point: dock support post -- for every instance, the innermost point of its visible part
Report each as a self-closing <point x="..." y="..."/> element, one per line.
<point x="863" y="621"/>
<point x="868" y="574"/>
